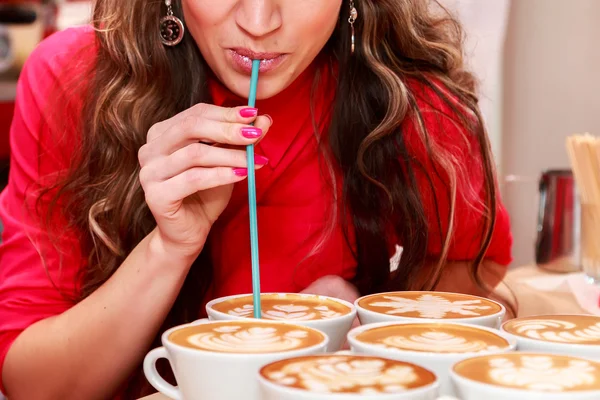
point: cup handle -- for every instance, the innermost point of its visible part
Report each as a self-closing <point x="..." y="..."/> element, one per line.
<point x="154" y="377"/>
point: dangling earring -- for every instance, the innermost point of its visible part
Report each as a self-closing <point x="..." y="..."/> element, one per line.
<point x="351" y="21"/>
<point x="171" y="27"/>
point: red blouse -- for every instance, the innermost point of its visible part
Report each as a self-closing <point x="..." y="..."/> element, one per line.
<point x="294" y="200"/>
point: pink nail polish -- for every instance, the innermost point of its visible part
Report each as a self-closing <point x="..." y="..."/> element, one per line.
<point x="260" y="160"/>
<point x="248" y="112"/>
<point x="241" y="172"/>
<point x="251" y="133"/>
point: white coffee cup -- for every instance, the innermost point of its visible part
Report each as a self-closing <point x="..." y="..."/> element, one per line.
<point x="544" y="377"/>
<point x="576" y="335"/>
<point x="336" y="327"/>
<point x="429" y="306"/>
<point x="424" y="346"/>
<point x="227" y="371"/>
<point x="346" y="377"/>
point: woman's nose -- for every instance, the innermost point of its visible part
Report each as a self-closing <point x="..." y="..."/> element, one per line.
<point x="258" y="17"/>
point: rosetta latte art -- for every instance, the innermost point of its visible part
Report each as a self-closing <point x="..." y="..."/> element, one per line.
<point x="539" y="373"/>
<point x="438" y="342"/>
<point x="248" y="339"/>
<point x="557" y="331"/>
<point x="431" y="306"/>
<point x="340" y="375"/>
<point x="288" y="312"/>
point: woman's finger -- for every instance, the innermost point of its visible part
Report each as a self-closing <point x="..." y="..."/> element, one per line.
<point x="263" y="122"/>
<point x="192" y="181"/>
<point x="198" y="155"/>
<point x="239" y="115"/>
<point x="194" y="130"/>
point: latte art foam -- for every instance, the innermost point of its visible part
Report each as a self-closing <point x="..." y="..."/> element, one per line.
<point x="433" y="338"/>
<point x="284" y="307"/>
<point x="533" y="372"/>
<point x="246" y="337"/>
<point x="347" y="374"/>
<point x="575" y="329"/>
<point x="430" y="305"/>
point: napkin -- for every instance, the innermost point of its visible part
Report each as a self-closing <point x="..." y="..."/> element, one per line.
<point x="586" y="294"/>
<point x="552" y="283"/>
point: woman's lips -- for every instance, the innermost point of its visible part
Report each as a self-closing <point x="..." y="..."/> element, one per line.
<point x="241" y="60"/>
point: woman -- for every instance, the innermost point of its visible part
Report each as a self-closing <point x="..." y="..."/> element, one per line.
<point x="128" y="158"/>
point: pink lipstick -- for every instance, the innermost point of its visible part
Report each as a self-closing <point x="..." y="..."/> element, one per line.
<point x="241" y="60"/>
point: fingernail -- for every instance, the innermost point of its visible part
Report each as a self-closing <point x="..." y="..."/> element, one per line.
<point x="260" y="160"/>
<point x="248" y="112"/>
<point x="241" y="172"/>
<point x="251" y="133"/>
<point x="270" y="119"/>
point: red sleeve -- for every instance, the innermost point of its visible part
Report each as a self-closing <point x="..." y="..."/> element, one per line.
<point x="32" y="288"/>
<point x="447" y="132"/>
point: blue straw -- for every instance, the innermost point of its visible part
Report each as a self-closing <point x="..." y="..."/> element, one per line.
<point x="252" y="200"/>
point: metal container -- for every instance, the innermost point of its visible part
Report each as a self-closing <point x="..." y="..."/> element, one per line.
<point x="559" y="223"/>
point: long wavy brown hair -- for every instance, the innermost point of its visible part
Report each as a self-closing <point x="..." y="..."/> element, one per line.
<point x="135" y="82"/>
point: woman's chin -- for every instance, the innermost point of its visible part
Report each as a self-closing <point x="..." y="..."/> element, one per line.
<point x="268" y="87"/>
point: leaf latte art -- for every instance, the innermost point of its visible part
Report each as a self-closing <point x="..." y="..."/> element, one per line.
<point x="289" y="307"/>
<point x="247" y="337"/>
<point x="439" y="342"/>
<point x="288" y="312"/>
<point x="255" y="339"/>
<point x="430" y="305"/>
<point x="533" y="372"/>
<point x="347" y="374"/>
<point x="558" y="330"/>
<point x="540" y="373"/>
<point x="433" y="338"/>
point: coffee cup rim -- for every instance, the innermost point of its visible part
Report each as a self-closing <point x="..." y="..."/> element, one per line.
<point x="460" y="319"/>
<point x="170" y="344"/>
<point x="455" y="376"/>
<point x="512" y="342"/>
<point x="556" y="344"/>
<point x="342" y="396"/>
<point x="351" y="314"/>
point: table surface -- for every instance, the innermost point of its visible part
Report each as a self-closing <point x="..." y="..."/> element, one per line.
<point x="534" y="302"/>
<point x="529" y="300"/>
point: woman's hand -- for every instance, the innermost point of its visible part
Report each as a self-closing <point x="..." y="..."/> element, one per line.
<point x="337" y="287"/>
<point x="189" y="165"/>
<point x="333" y="286"/>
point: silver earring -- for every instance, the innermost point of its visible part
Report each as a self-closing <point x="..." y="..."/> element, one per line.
<point x="351" y="20"/>
<point x="172" y="29"/>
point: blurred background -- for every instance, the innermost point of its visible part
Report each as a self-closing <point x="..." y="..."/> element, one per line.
<point x="23" y="24"/>
<point x="538" y="62"/>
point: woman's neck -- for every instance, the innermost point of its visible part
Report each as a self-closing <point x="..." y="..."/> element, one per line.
<point x="299" y="89"/>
